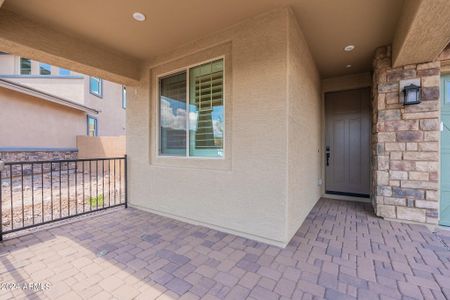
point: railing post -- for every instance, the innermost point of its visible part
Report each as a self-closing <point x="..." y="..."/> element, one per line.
<point x="126" y="180"/>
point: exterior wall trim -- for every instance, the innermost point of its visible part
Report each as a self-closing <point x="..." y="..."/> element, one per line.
<point x="228" y="230"/>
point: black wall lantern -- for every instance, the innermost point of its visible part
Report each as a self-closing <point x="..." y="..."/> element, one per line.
<point x="411" y="94"/>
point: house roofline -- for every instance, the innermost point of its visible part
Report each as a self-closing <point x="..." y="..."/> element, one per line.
<point x="44" y="76"/>
<point x="45" y="96"/>
<point x="37" y="149"/>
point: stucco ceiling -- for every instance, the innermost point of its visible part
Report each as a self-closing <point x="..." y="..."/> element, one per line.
<point x="328" y="25"/>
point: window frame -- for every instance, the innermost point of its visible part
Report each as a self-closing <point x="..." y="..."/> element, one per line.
<point x="20" y="66"/>
<point x="87" y="125"/>
<point x="42" y="66"/>
<point x="158" y="111"/>
<point x="124" y="97"/>
<point x="100" y="94"/>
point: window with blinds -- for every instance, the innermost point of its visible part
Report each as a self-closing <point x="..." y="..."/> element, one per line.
<point x="205" y="124"/>
<point x="206" y="110"/>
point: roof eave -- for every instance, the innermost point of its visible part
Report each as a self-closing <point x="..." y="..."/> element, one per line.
<point x="45" y="96"/>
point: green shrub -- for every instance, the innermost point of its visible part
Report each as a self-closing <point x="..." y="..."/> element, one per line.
<point x="96" y="201"/>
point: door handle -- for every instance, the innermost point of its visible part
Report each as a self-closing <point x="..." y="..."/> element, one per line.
<point x="328" y="154"/>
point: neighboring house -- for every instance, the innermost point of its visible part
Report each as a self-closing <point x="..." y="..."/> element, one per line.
<point x="44" y="108"/>
<point x="241" y="121"/>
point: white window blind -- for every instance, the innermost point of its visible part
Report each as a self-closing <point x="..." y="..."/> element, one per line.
<point x="206" y="109"/>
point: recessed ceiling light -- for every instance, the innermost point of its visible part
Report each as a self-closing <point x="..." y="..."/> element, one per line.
<point x="349" y="48"/>
<point x="140" y="17"/>
<point x="348" y="66"/>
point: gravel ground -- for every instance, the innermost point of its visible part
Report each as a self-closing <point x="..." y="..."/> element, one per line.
<point x="58" y="194"/>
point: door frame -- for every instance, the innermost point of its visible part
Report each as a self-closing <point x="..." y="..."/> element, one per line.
<point x="441" y="98"/>
<point x="341" y="85"/>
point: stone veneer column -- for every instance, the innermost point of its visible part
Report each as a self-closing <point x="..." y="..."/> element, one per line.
<point x="405" y="142"/>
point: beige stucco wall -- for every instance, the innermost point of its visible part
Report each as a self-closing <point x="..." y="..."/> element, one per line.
<point x="422" y="32"/>
<point x="64" y="87"/>
<point x="36" y="41"/>
<point x="246" y="193"/>
<point x="7" y="63"/>
<point x="304" y="129"/>
<point x="101" y="146"/>
<point x="67" y="88"/>
<point x="26" y="121"/>
<point x="112" y="117"/>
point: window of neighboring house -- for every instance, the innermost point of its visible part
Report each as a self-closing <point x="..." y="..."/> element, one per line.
<point x="191" y="112"/>
<point x="45" y="69"/>
<point x="124" y="97"/>
<point x="96" y="86"/>
<point x="64" y="72"/>
<point x="92" y="126"/>
<point x="25" y="66"/>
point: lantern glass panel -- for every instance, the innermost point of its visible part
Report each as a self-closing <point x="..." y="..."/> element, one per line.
<point x="411" y="96"/>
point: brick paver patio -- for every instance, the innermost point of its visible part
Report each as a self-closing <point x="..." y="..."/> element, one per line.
<point x="342" y="251"/>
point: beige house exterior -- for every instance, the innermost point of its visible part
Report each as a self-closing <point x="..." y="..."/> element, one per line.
<point x="255" y="190"/>
<point x="278" y="66"/>
<point x="47" y="112"/>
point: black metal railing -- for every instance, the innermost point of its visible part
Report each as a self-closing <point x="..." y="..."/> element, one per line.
<point x="35" y="193"/>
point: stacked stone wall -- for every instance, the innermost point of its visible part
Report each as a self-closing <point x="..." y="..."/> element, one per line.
<point x="35" y="156"/>
<point x="405" y="142"/>
<point x="20" y="156"/>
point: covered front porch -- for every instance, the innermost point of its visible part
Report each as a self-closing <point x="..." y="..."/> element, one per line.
<point x="226" y="119"/>
<point x="227" y="150"/>
<point x="342" y="251"/>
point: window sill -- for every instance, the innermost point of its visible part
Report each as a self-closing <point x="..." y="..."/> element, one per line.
<point x="96" y="95"/>
<point x="210" y="163"/>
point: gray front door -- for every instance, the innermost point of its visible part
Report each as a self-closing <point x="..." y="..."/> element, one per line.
<point x="347" y="142"/>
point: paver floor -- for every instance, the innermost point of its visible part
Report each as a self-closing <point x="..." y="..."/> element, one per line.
<point x="342" y="251"/>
